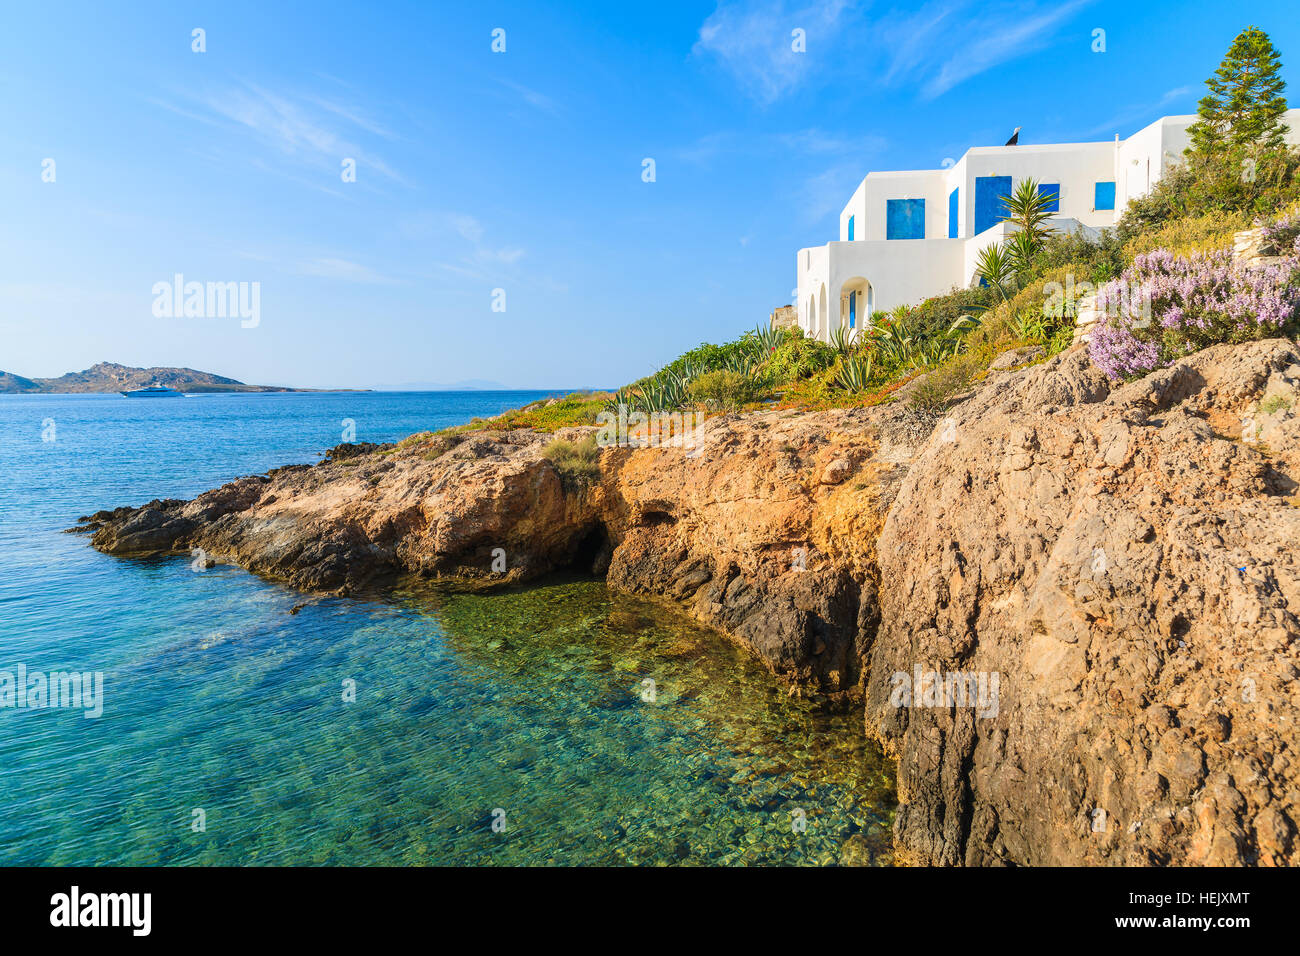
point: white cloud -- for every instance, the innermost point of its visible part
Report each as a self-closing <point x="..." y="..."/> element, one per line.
<point x="309" y="128"/>
<point x="538" y="101"/>
<point x="933" y="47"/>
<point x="468" y="227"/>
<point x="755" y="42"/>
<point x="344" y="271"/>
<point x="817" y="142"/>
<point x="946" y="42"/>
<point x="999" y="41"/>
<point x="482" y="258"/>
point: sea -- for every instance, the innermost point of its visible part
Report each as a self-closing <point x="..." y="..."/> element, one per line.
<point x="226" y="719"/>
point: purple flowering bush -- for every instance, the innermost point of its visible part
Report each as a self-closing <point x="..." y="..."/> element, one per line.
<point x="1283" y="234"/>
<point x="1166" y="306"/>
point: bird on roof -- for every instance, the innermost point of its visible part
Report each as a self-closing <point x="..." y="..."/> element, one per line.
<point x="1015" y="138"/>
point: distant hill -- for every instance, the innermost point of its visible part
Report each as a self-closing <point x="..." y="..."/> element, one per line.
<point x="111" y="377"/>
<point x="10" y="382"/>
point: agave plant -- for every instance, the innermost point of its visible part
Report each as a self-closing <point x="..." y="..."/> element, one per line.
<point x="742" y="362"/>
<point x="963" y="325"/>
<point x="665" y="391"/>
<point x="892" y="338"/>
<point x="922" y="352"/>
<point x="768" y="338"/>
<point x="855" y="372"/>
<point x="935" y="351"/>
<point x="623" y="396"/>
<point x="843" y="339"/>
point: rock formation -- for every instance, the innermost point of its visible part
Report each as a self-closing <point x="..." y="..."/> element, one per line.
<point x="1119" y="558"/>
<point x="1124" y="558"/>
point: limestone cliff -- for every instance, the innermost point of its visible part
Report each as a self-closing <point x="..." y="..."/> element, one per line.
<point x="1125" y="559"/>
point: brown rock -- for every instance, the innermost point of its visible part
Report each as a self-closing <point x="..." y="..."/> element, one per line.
<point x="1115" y="564"/>
<point x="1106" y="589"/>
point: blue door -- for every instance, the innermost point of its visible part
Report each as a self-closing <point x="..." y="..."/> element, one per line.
<point x="990" y="204"/>
<point x="853" y="310"/>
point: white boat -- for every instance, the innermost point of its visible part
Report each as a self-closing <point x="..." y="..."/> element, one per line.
<point x="153" y="391"/>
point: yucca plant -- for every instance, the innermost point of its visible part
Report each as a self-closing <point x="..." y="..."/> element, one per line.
<point x="1021" y="249"/>
<point x="1027" y="210"/>
<point x="995" y="267"/>
<point x="855" y="372"/>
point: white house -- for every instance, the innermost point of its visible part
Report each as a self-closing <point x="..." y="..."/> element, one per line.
<point x="906" y="236"/>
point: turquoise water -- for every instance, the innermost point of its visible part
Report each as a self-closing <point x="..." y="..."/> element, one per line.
<point x="512" y="727"/>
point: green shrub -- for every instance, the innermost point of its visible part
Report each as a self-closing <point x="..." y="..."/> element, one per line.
<point x="1274" y="403"/>
<point x="1189" y="234"/>
<point x="797" y="357"/>
<point x="935" y="391"/>
<point x="577" y="462"/>
<point x="937" y="314"/>
<point x="1088" y="260"/>
<point x="723" y="389"/>
<point x="1200" y="186"/>
<point x="708" y="358"/>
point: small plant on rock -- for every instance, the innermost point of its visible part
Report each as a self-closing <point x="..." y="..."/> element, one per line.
<point x="577" y="462"/>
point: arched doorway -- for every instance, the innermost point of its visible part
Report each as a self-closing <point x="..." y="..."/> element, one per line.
<point x="857" y="302"/>
<point x="823" y="326"/>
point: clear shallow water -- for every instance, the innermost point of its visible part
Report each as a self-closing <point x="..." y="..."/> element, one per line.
<point x="527" y="700"/>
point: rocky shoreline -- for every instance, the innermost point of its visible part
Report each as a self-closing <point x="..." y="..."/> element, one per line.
<point x="1116" y="562"/>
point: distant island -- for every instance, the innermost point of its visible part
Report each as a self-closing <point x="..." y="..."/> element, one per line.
<point x="111" y="377"/>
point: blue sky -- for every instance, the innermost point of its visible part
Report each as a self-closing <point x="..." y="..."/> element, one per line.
<point x="519" y="170"/>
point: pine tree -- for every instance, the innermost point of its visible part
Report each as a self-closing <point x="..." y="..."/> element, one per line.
<point x="1245" y="104"/>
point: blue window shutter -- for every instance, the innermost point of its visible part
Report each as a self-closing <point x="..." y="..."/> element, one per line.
<point x="1104" y="196"/>
<point x="1052" y="191"/>
<point x="990" y="201"/>
<point x="850" y="228"/>
<point x="904" y="218"/>
<point x="953" y="201"/>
